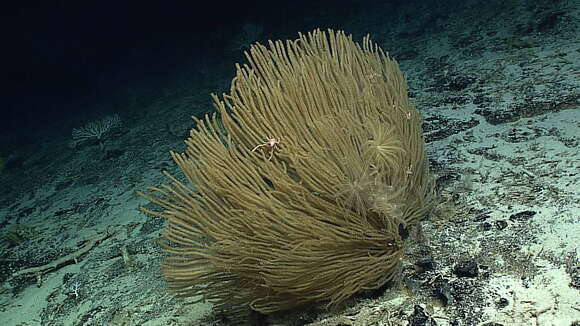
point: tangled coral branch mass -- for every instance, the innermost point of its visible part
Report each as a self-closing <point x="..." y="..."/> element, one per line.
<point x="316" y="215"/>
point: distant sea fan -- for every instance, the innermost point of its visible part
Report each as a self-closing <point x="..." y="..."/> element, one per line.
<point x="95" y="129"/>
